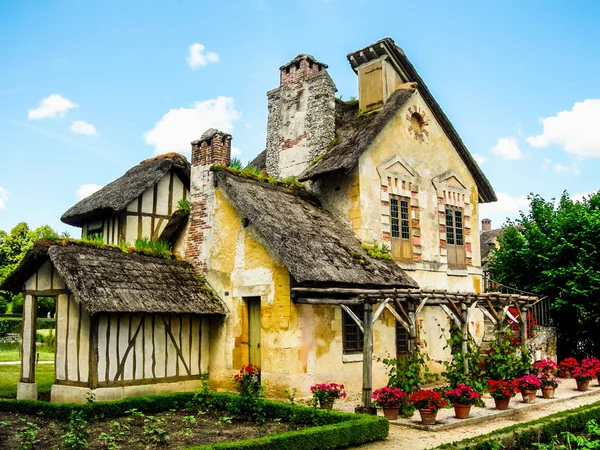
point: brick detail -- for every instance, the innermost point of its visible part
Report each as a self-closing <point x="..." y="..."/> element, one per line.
<point x="298" y="71"/>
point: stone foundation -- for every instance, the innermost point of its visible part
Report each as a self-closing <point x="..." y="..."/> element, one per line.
<point x="27" y="391"/>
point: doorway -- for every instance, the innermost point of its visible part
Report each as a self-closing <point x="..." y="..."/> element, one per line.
<point x="254" y="330"/>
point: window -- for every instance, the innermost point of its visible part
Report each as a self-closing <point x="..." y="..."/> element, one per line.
<point x="400" y="228"/>
<point x="352" y="337"/>
<point x="401" y="341"/>
<point x="454" y="238"/>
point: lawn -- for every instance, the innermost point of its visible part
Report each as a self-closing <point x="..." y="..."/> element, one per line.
<point x="9" y="377"/>
<point x="10" y="352"/>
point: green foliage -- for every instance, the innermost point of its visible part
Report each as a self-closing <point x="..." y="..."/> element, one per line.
<point x="506" y="359"/>
<point x="254" y="173"/>
<point x="552" y="250"/>
<point x="149" y="247"/>
<point x="75" y="437"/>
<point x="332" y="144"/>
<point x="377" y="250"/>
<point x="455" y="367"/>
<point x="153" y="433"/>
<point x="408" y="375"/>
<point x="291" y="396"/>
<point x="183" y="205"/>
<point x="28" y="435"/>
<point x="236" y="163"/>
<point x="95" y="238"/>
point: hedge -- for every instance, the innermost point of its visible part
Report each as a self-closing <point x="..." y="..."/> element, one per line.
<point x="331" y="429"/>
<point x="522" y="435"/>
<point x="13" y="324"/>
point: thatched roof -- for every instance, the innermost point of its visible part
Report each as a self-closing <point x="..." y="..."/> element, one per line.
<point x="315" y="246"/>
<point x="117" y="195"/>
<point x="260" y="161"/>
<point x="355" y="134"/>
<point x="408" y="72"/>
<point x="487" y="240"/>
<point x="110" y="280"/>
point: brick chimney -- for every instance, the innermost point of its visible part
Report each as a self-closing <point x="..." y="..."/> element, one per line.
<point x="301" y="121"/>
<point x="486" y="224"/>
<point x="214" y="147"/>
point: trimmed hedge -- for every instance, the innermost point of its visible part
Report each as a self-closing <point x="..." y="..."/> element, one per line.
<point x="13" y="324"/>
<point x="327" y="429"/>
<point x="522" y="435"/>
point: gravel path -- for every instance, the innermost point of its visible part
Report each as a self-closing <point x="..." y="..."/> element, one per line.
<point x="403" y="437"/>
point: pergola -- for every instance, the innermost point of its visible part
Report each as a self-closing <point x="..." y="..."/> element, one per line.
<point x="406" y="304"/>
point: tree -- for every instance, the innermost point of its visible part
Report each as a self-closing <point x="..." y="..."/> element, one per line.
<point x="13" y="247"/>
<point x="553" y="250"/>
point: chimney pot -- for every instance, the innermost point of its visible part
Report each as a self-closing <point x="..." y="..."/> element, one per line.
<point x="486" y="224"/>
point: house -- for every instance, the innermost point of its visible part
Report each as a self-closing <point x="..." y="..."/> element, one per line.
<point x="294" y="280"/>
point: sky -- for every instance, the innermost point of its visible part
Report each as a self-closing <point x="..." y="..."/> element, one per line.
<point x="89" y="89"/>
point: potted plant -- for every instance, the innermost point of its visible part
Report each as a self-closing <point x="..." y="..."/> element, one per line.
<point x="390" y="400"/>
<point x="327" y="393"/>
<point x="248" y="380"/>
<point x="544" y="366"/>
<point x="462" y="398"/>
<point x="502" y="391"/>
<point x="584" y="373"/>
<point x="529" y="384"/>
<point x="428" y="402"/>
<point x="566" y="366"/>
<point x="549" y="384"/>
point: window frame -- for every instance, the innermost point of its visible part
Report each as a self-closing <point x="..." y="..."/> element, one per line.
<point x="456" y="255"/>
<point x="401" y="244"/>
<point x="350" y="326"/>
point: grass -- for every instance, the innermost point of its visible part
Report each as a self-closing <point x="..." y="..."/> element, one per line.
<point x="9" y="377"/>
<point x="10" y="352"/>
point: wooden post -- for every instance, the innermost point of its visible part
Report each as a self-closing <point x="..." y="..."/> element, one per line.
<point x="367" y="356"/>
<point x="412" y="334"/>
<point x="523" y="325"/>
<point x="465" y="336"/>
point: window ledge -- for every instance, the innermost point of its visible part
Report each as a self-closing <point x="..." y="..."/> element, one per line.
<point x="352" y="357"/>
<point x="458" y="272"/>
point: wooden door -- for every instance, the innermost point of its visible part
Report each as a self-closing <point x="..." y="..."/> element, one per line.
<point x="254" y="329"/>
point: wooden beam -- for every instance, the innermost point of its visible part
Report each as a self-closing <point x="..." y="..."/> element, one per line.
<point x="488" y="314"/>
<point x="405" y="325"/>
<point x="523" y="327"/>
<point x="509" y="315"/>
<point x="328" y="301"/>
<point x="465" y="337"/>
<point x="380" y="309"/>
<point x="421" y="305"/>
<point x="455" y="309"/>
<point x="451" y="315"/>
<point x="358" y="322"/>
<point x="367" y="356"/>
<point x="493" y="311"/>
<point x="93" y="358"/>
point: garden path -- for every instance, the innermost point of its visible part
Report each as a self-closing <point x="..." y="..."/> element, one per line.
<point x="402" y="437"/>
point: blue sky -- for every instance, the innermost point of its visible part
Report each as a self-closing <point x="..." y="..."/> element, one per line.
<point x="89" y="89"/>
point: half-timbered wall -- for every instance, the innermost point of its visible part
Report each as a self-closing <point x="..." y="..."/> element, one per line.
<point x="144" y="217"/>
<point x="148" y="348"/>
<point x="72" y="361"/>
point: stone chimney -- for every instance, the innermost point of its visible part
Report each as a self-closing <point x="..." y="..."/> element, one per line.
<point x="301" y="121"/>
<point x="486" y="224"/>
<point x="214" y="147"/>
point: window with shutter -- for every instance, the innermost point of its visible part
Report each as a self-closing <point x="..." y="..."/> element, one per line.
<point x="352" y="337"/>
<point x="454" y="238"/>
<point x="400" y="229"/>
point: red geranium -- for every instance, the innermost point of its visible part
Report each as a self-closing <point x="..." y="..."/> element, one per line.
<point x="248" y="380"/>
<point x="428" y="399"/>
<point x="566" y="366"/>
<point x="529" y="383"/>
<point x="502" y="389"/>
<point x="388" y="396"/>
<point x="328" y="391"/>
<point x="544" y="366"/>
<point x="463" y="394"/>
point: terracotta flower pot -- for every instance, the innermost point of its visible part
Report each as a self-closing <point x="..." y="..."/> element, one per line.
<point x="502" y="403"/>
<point x="391" y="412"/>
<point x="428" y="416"/>
<point x="548" y="391"/>
<point x="461" y="411"/>
<point x="528" y="396"/>
<point x="583" y="385"/>
<point x="326" y="404"/>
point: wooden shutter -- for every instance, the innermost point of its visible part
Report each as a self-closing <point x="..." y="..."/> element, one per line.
<point x="455" y="244"/>
<point x="400" y="229"/>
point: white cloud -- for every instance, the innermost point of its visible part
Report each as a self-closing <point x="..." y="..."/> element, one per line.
<point x="572" y="169"/>
<point x="506" y="206"/>
<point x="576" y="130"/>
<point x="179" y="127"/>
<point x="3" y="198"/>
<point x="507" y="148"/>
<point x="85" y="190"/>
<point x="479" y="158"/>
<point x="52" y="106"/>
<point x="198" y="58"/>
<point x="580" y="197"/>
<point x="81" y="127"/>
<point x="235" y="151"/>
